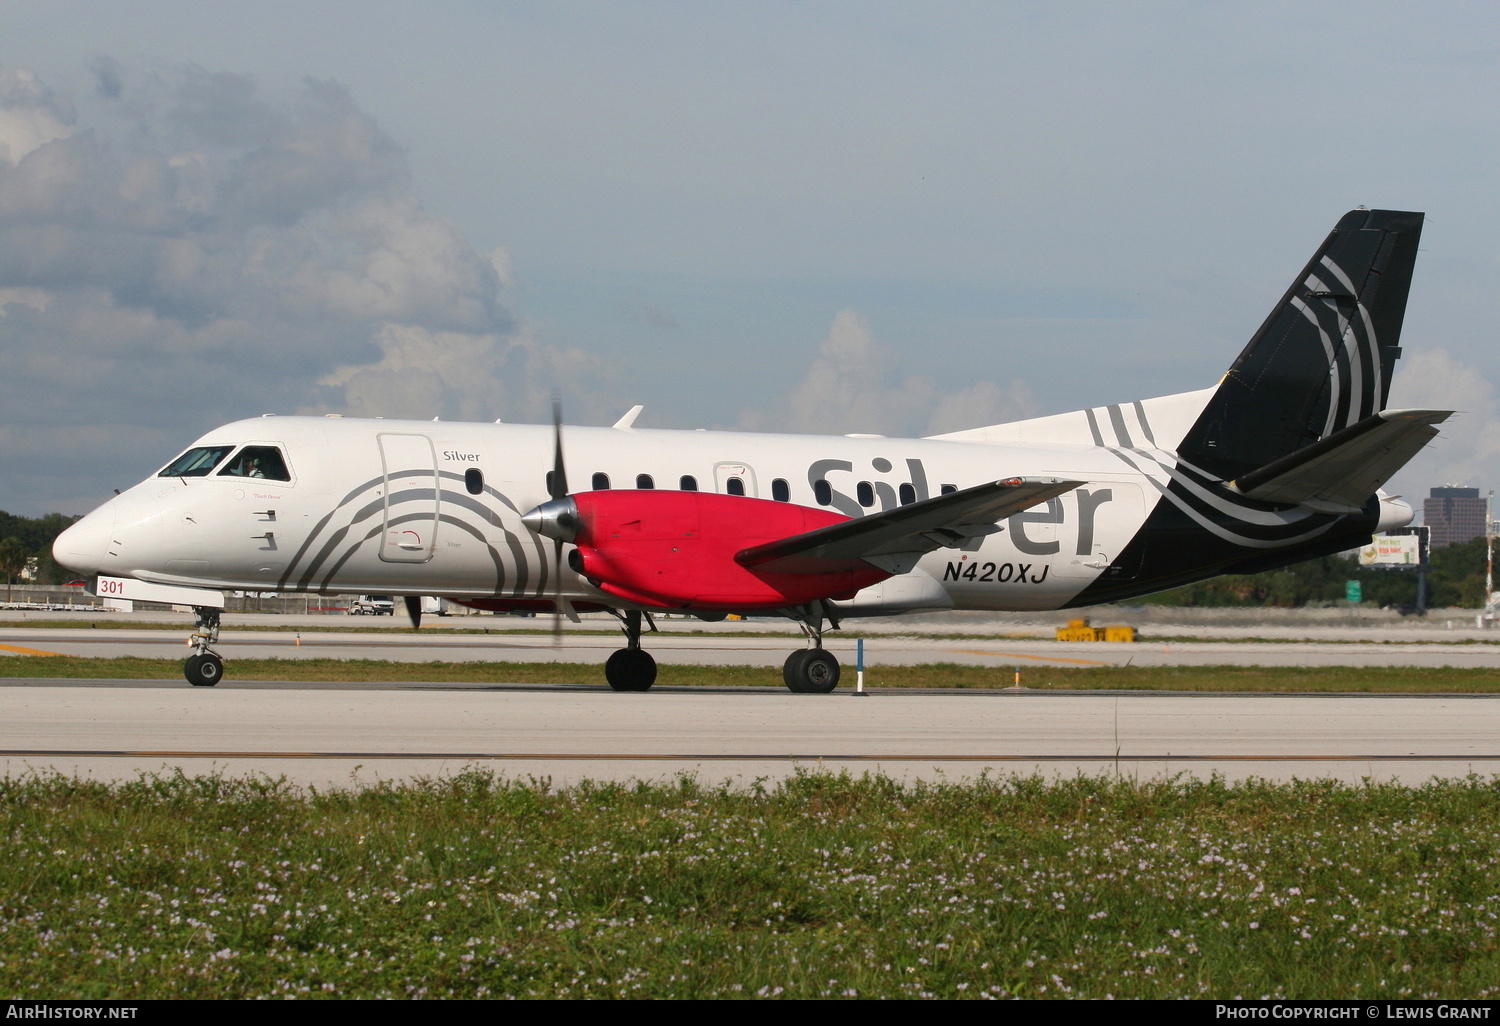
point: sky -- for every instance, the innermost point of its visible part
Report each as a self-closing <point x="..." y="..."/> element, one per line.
<point x="900" y="218"/>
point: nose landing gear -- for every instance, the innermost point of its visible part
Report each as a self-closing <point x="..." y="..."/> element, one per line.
<point x="204" y="668"/>
<point x="631" y="668"/>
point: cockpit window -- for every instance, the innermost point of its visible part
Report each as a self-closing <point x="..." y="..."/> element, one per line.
<point x="196" y="462"/>
<point x="258" y="461"/>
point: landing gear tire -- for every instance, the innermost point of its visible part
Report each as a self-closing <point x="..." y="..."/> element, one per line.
<point x="811" y="671"/>
<point x="630" y="669"/>
<point x="203" y="671"/>
<point x="791" y="670"/>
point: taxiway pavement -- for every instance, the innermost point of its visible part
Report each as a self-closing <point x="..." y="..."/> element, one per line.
<point x="332" y="735"/>
<point x="730" y="647"/>
<point x="338" y="734"/>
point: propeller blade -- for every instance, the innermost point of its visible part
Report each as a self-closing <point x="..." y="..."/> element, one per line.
<point x="557" y="488"/>
<point x="559" y="479"/>
<point x="414" y="610"/>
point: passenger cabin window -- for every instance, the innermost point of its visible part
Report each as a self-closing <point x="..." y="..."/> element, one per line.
<point x="823" y="492"/>
<point x="474" y="481"/>
<point x="908" y="494"/>
<point x="780" y="490"/>
<point x="601" y="482"/>
<point x="866" y="492"/>
<point x="644" y="481"/>
<point x="689" y="483"/>
<point x="949" y="489"/>
<point x="196" y="462"/>
<point x="258" y="461"/>
<point x="734" y="486"/>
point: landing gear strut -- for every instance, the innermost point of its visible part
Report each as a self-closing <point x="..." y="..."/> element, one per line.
<point x="631" y="668"/>
<point x="204" y="668"/>
<point x="812" y="671"/>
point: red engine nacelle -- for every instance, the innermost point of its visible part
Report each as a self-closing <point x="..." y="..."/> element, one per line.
<point x="677" y="549"/>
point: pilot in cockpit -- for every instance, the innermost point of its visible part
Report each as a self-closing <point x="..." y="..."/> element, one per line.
<point x="261" y="461"/>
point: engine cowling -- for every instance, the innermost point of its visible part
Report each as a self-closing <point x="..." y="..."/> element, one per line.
<point x="676" y="549"/>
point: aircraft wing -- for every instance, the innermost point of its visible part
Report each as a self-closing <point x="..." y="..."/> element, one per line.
<point x="1339" y="473"/>
<point x="895" y="539"/>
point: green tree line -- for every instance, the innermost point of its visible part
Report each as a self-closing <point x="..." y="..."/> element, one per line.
<point x="23" y="539"/>
<point x="1455" y="578"/>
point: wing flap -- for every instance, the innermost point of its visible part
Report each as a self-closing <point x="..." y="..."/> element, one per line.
<point x="1339" y="473"/>
<point x="897" y="537"/>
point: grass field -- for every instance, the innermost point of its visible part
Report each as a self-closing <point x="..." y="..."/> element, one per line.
<point x="820" y="887"/>
<point x="946" y="675"/>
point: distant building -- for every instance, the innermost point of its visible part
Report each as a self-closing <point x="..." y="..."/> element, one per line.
<point x="1453" y="515"/>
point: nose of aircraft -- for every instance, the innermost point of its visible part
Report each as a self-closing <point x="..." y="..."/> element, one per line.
<point x="84" y="546"/>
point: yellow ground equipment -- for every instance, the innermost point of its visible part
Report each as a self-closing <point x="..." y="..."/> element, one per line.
<point x="1079" y="630"/>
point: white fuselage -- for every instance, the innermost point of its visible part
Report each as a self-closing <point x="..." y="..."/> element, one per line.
<point x="357" y="514"/>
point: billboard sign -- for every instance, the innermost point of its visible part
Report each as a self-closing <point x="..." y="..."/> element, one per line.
<point x="1391" y="550"/>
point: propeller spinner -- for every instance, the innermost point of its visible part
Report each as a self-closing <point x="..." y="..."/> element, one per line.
<point x="556" y="519"/>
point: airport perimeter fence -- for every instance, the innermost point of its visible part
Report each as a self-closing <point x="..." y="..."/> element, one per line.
<point x="64" y="598"/>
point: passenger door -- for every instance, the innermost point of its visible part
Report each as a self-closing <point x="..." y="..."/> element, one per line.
<point x="409" y="463"/>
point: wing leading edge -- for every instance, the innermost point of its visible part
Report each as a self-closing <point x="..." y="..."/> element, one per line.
<point x="895" y="539"/>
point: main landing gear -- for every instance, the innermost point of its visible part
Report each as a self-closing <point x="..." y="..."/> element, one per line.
<point x="808" y="671"/>
<point x="204" y="668"/>
<point x="812" y="671"/>
<point x="631" y="668"/>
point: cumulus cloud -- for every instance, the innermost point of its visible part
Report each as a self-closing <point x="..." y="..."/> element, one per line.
<point x="31" y="115"/>
<point x="206" y="251"/>
<point x="421" y="371"/>
<point x="851" y="387"/>
<point x="1467" y="451"/>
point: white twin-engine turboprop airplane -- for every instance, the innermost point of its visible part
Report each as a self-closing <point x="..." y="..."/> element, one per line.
<point x="1281" y="461"/>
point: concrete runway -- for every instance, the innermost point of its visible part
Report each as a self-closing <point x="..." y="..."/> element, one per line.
<point x="332" y="735"/>
<point x="337" y="734"/>
<point x="728" y="645"/>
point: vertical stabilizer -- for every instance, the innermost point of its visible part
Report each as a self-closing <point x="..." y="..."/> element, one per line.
<point x="1322" y="360"/>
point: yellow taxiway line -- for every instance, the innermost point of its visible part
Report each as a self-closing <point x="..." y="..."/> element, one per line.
<point x="28" y="651"/>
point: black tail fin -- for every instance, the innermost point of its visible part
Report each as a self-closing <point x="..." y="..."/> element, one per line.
<point x="1322" y="360"/>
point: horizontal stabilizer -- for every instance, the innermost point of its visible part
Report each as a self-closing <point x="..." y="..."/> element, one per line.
<point x="1339" y="473"/>
<point x="895" y="539"/>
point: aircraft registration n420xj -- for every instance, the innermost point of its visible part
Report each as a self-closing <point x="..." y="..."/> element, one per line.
<point x="1282" y="460"/>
